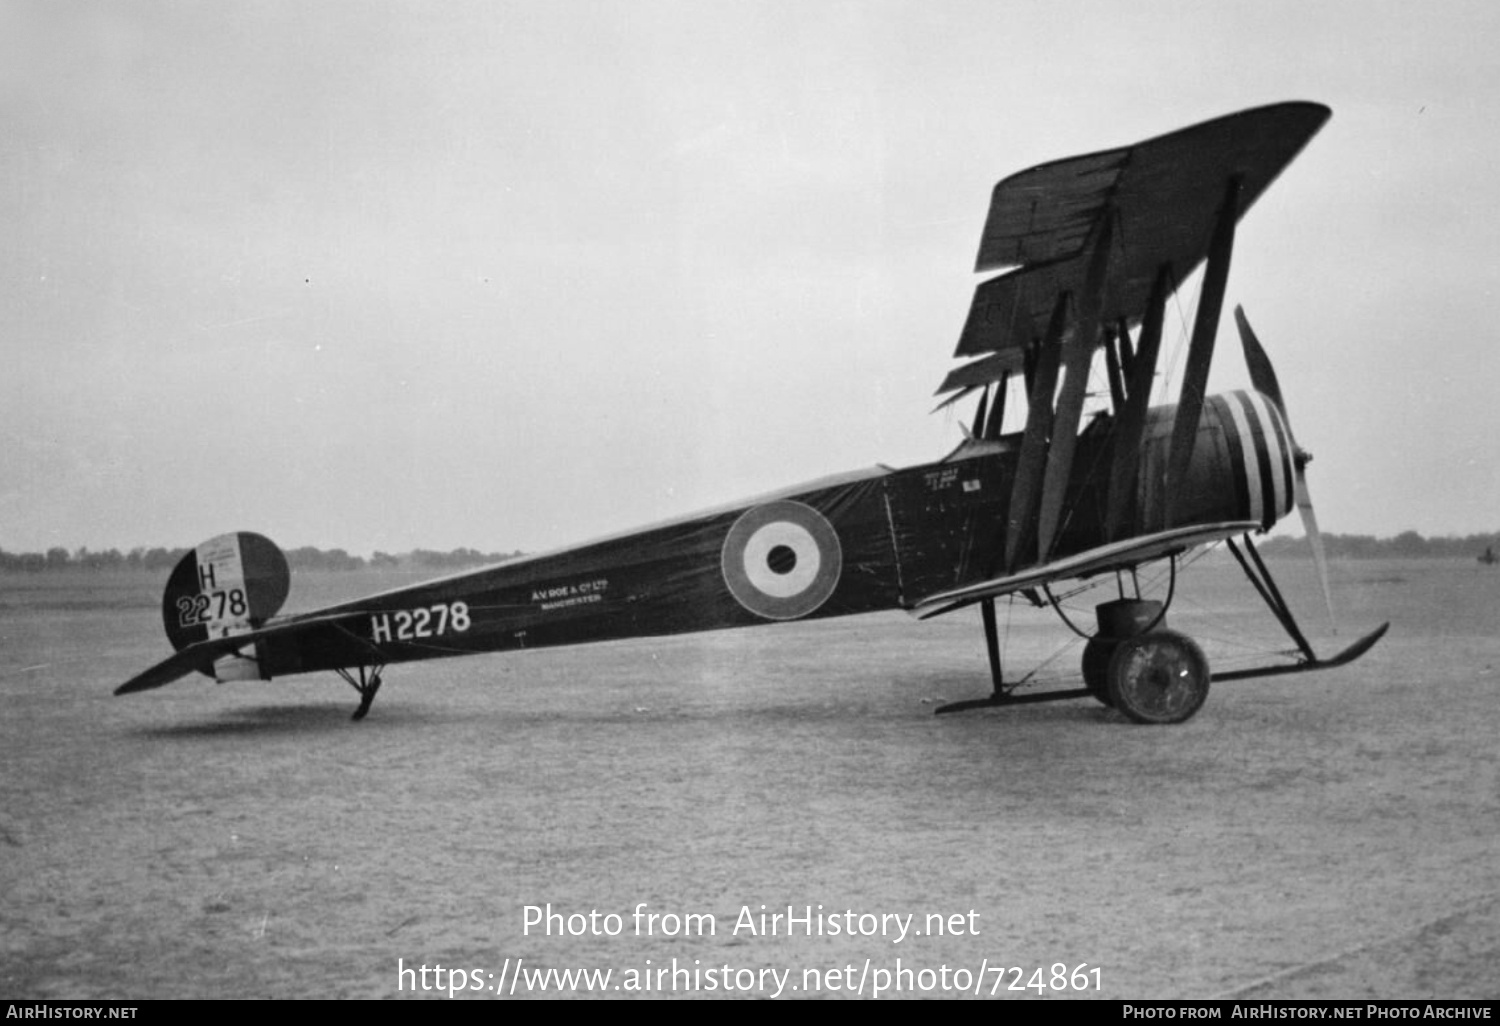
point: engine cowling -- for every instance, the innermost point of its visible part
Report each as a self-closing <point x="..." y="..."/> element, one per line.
<point x="1243" y="465"/>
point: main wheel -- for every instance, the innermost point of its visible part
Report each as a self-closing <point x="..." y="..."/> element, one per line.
<point x="1161" y="677"/>
<point x="1096" y="656"/>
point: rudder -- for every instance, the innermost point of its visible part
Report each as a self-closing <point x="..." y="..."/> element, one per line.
<point x="228" y="585"/>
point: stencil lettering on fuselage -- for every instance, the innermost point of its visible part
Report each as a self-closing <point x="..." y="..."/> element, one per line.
<point x="782" y="560"/>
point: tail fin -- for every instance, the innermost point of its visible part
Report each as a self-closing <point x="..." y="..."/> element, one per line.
<point x="228" y="585"/>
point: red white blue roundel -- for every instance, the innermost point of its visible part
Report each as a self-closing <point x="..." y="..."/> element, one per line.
<point x="782" y="560"/>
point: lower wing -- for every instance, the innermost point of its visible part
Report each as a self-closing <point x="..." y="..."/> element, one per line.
<point x="1114" y="556"/>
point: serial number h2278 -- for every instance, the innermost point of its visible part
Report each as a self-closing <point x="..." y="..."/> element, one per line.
<point x="207" y="607"/>
<point x="412" y="624"/>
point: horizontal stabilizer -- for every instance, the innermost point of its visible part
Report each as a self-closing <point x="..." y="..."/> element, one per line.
<point x="199" y="656"/>
<point x="202" y="655"/>
<point x="1114" y="556"/>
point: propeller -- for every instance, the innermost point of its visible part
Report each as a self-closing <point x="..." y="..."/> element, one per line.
<point x="1263" y="378"/>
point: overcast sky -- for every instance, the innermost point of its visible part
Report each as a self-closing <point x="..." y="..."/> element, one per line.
<point x="383" y="275"/>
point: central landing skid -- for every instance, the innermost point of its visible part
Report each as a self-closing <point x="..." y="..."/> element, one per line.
<point x="1348" y="655"/>
<point x="1154" y="675"/>
<point x="1000" y="698"/>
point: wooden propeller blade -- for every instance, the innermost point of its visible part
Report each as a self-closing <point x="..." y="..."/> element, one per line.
<point x="1262" y="374"/>
<point x="1263" y="377"/>
<point x="1201" y="345"/>
<point x="1315" y="539"/>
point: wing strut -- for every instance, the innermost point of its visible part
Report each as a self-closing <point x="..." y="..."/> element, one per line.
<point x="997" y="410"/>
<point x="1132" y="422"/>
<point x="1201" y="347"/>
<point x="984" y="402"/>
<point x="1021" y="513"/>
<point x="1127" y="358"/>
<point x="1112" y="369"/>
<point x="1078" y="355"/>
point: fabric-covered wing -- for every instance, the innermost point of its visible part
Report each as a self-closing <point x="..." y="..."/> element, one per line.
<point x="1165" y="194"/>
<point x="979" y="374"/>
<point x="1114" y="556"/>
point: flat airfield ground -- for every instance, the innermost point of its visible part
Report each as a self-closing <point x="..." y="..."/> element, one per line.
<point x="1330" y="835"/>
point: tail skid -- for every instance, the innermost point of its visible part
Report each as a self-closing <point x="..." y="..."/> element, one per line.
<point x="215" y="609"/>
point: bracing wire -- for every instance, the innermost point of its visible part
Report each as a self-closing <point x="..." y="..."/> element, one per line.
<point x="1246" y="645"/>
<point x="1166" y="603"/>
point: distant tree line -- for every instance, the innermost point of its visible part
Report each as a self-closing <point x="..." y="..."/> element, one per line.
<point x="305" y="558"/>
<point x="1406" y="545"/>
<point x="426" y="559"/>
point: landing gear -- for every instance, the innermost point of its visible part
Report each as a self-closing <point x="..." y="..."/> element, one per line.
<point x="1159" y="677"/>
<point x="368" y="683"/>
<point x="1118" y="620"/>
<point x="1096" y="656"/>
<point x="1153" y="675"/>
<point x="1131" y="663"/>
<point x="1003" y="693"/>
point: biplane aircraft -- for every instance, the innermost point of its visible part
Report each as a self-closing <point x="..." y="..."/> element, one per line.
<point x="1091" y="249"/>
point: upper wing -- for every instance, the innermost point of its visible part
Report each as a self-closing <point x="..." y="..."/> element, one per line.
<point x="1114" y="556"/>
<point x="1098" y="243"/>
<point x="1165" y="195"/>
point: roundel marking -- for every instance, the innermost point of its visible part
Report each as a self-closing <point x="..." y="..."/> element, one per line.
<point x="781" y="560"/>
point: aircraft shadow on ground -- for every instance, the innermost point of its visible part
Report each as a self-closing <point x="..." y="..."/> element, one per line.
<point x="934" y="691"/>
<point x="273" y="719"/>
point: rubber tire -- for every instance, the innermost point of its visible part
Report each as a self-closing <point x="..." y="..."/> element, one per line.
<point x="1161" y="677"/>
<point x="1096" y="658"/>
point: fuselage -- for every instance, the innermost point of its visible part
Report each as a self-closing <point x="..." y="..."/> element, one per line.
<point x="869" y="540"/>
